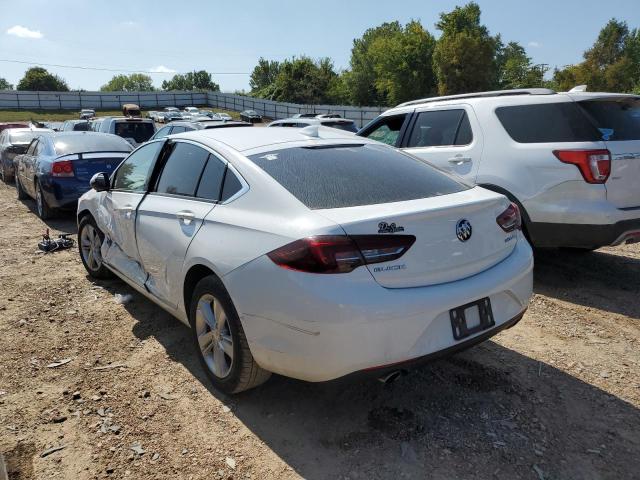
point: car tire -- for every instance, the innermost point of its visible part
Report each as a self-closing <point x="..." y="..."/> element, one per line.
<point x="90" y="239"/>
<point x="220" y="341"/>
<point x="45" y="212"/>
<point x="22" y="195"/>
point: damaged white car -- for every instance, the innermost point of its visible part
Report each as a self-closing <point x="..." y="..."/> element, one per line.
<point x="307" y="252"/>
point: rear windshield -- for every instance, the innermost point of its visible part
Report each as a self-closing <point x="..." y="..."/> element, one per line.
<point x="547" y="122"/>
<point x="139" y="131"/>
<point x="67" y="144"/>
<point x="338" y="176"/>
<point x="23" y="137"/>
<point x="616" y="119"/>
<point x="348" y="126"/>
<point x="82" y="127"/>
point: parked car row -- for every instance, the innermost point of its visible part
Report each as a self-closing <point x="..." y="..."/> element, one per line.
<point x="315" y="253"/>
<point x="302" y="122"/>
<point x="170" y="114"/>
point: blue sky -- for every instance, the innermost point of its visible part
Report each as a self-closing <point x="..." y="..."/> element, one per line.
<point x="229" y="36"/>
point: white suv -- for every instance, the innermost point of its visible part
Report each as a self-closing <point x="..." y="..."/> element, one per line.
<point x="571" y="161"/>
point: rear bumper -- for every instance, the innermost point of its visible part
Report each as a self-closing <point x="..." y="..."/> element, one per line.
<point x="323" y="327"/>
<point x="584" y="235"/>
<point x="63" y="193"/>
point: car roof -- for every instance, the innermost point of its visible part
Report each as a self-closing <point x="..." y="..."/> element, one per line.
<point x="243" y="139"/>
<point x="314" y="121"/>
<point x="129" y="119"/>
<point x="28" y="129"/>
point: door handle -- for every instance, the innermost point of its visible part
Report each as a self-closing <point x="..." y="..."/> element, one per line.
<point x="459" y="160"/>
<point x="185" y="216"/>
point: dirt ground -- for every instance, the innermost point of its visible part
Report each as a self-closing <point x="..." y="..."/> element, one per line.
<point x="555" y="397"/>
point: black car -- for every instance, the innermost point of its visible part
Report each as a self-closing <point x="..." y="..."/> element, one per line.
<point x="250" y="116"/>
<point x="186" y="126"/>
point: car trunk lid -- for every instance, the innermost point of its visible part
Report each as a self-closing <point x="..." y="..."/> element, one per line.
<point x="86" y="165"/>
<point x="442" y="252"/>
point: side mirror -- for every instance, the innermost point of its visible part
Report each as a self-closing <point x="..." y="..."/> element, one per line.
<point x="100" y="182"/>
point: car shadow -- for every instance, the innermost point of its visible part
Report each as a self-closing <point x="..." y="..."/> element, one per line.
<point x="64" y="221"/>
<point x="487" y="412"/>
<point x="595" y="279"/>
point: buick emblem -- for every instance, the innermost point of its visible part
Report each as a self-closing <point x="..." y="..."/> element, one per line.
<point x="463" y="230"/>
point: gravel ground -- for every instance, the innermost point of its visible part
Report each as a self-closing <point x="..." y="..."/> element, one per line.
<point x="90" y="388"/>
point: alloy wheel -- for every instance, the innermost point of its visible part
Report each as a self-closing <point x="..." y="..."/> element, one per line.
<point x="90" y="244"/>
<point x="214" y="335"/>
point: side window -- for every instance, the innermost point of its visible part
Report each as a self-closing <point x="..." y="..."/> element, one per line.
<point x="163" y="132"/>
<point x="134" y="173"/>
<point x="32" y="147"/>
<point x="386" y="130"/>
<point x="441" y="128"/>
<point x="182" y="170"/>
<point x="40" y="146"/>
<point x="231" y="186"/>
<point x="178" y="129"/>
<point x="211" y="182"/>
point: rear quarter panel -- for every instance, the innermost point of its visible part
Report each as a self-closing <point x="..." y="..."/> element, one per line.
<point x="527" y="170"/>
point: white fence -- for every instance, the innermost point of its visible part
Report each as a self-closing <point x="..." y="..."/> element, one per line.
<point x="23" y="100"/>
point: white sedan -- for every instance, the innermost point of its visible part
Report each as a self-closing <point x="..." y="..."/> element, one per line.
<point x="307" y="252"/>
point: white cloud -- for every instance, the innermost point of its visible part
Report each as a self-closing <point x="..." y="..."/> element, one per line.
<point x="129" y="23"/>
<point x="534" y="44"/>
<point x="162" y="69"/>
<point x="24" y="32"/>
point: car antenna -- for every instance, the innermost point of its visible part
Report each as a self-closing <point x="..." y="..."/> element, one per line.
<point x="310" y="131"/>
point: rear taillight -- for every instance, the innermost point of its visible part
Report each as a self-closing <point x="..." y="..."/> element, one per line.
<point x="510" y="219"/>
<point x="594" y="165"/>
<point x="340" y="254"/>
<point x="62" y="168"/>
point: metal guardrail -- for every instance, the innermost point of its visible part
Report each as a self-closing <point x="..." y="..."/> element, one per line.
<point x="25" y="100"/>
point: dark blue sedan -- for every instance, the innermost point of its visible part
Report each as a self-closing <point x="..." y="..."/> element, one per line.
<point x="57" y="167"/>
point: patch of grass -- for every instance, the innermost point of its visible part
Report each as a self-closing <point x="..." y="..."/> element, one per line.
<point x="61" y="115"/>
<point x="47" y="115"/>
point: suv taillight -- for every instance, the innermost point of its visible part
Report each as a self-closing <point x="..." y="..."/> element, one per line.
<point x="62" y="168"/>
<point x="594" y="165"/>
<point x="510" y="219"/>
<point x="340" y="254"/>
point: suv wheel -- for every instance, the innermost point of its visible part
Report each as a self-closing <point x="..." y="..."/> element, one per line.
<point x="90" y="240"/>
<point x="220" y="341"/>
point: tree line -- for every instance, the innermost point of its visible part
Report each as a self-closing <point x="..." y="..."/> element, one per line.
<point x="393" y="63"/>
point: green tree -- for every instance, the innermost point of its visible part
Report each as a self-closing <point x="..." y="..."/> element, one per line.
<point x="303" y="80"/>
<point x="465" y="55"/>
<point x="196" y="80"/>
<point x="612" y="64"/>
<point x="5" y="85"/>
<point x="39" y="79"/>
<point x="515" y="69"/>
<point x="264" y="75"/>
<point x="391" y="64"/>
<point x="136" y="82"/>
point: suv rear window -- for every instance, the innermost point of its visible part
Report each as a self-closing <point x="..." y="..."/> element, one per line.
<point x="547" y="123"/>
<point x="139" y="131"/>
<point x="338" y="176"/>
<point x="617" y="119"/>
